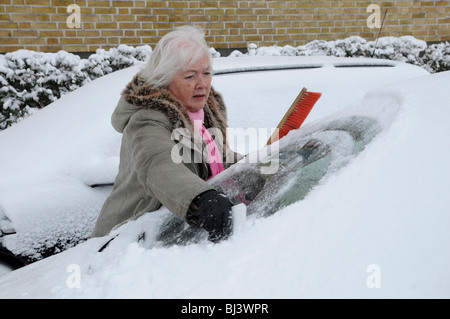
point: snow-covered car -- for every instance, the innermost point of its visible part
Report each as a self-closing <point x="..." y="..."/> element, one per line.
<point x="57" y="166"/>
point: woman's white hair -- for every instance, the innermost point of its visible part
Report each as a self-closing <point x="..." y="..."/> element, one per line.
<point x="177" y="50"/>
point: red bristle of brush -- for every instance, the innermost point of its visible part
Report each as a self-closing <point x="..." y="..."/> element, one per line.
<point x="299" y="113"/>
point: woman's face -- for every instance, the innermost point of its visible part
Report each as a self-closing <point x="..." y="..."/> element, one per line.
<point x="192" y="86"/>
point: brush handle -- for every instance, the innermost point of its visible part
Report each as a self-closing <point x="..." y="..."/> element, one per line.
<point x="274" y="136"/>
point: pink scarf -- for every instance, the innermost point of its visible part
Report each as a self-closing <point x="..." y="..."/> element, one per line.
<point x="215" y="160"/>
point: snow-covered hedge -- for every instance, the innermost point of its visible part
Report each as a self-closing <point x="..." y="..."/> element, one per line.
<point x="31" y="80"/>
<point x="434" y="58"/>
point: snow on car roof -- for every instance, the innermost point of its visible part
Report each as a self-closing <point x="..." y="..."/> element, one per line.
<point x="264" y="63"/>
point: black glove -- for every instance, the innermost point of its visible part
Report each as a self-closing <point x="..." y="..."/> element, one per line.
<point x="211" y="210"/>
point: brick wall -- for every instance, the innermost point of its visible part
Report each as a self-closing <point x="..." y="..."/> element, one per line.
<point x="41" y="25"/>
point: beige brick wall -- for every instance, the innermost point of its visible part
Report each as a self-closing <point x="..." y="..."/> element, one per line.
<point x="41" y="25"/>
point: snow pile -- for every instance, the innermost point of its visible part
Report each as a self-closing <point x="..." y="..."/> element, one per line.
<point x="374" y="229"/>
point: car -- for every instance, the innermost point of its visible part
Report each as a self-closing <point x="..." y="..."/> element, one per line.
<point x="58" y="165"/>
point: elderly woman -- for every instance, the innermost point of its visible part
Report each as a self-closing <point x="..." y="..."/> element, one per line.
<point x="169" y="102"/>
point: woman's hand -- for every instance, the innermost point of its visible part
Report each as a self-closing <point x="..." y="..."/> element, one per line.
<point x="211" y="210"/>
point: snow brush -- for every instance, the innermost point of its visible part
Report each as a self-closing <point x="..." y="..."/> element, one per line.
<point x="296" y="114"/>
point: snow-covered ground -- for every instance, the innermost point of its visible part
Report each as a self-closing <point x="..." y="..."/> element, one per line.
<point x="377" y="228"/>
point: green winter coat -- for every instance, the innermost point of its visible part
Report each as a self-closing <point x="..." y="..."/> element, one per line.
<point x="153" y="171"/>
